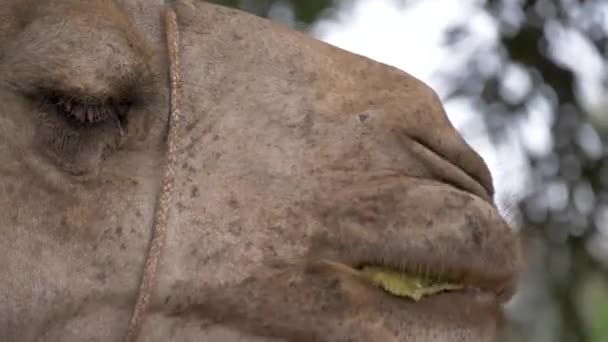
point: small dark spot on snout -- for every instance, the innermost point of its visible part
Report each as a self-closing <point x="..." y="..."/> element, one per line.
<point x="363" y="117"/>
<point x="101" y="276"/>
<point x="235" y="228"/>
<point x="194" y="192"/>
<point x="233" y="203"/>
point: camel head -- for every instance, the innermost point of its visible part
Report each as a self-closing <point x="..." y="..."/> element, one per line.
<point x="318" y="195"/>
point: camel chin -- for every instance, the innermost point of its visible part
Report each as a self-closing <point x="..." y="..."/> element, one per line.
<point x="318" y="195"/>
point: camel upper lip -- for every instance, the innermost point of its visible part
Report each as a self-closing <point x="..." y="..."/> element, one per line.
<point x="471" y="246"/>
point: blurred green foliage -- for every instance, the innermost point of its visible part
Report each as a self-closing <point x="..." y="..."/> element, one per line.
<point x="577" y="163"/>
<point x="599" y="327"/>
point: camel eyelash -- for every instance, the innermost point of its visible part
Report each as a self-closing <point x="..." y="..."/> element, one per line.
<point x="85" y="112"/>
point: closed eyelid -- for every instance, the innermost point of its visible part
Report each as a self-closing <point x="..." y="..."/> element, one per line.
<point x="106" y="58"/>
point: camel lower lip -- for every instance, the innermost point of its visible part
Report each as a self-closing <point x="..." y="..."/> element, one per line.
<point x="479" y="295"/>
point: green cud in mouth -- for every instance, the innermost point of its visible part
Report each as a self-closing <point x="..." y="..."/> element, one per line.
<point x="405" y="285"/>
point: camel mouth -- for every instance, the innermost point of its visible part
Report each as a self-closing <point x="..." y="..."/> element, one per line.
<point x="413" y="286"/>
<point x="406" y="232"/>
<point x="406" y="285"/>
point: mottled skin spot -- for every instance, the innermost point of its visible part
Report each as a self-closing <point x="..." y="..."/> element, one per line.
<point x="291" y="151"/>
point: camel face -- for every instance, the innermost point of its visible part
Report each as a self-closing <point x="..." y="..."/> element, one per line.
<point x="300" y="165"/>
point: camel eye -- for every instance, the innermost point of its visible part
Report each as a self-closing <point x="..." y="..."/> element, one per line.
<point x="85" y="112"/>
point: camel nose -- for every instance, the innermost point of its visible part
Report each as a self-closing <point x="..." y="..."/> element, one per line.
<point x="447" y="143"/>
<point x="423" y="128"/>
<point x="437" y="134"/>
<point x="452" y="161"/>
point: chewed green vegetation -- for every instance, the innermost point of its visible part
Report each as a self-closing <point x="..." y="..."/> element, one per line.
<point x="397" y="282"/>
<point x="405" y="285"/>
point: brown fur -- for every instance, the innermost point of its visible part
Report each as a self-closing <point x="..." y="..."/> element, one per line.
<point x="291" y="151"/>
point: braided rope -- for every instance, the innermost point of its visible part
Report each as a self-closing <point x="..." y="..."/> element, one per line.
<point x="159" y="232"/>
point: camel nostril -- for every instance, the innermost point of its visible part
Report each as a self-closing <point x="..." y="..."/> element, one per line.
<point x="462" y="168"/>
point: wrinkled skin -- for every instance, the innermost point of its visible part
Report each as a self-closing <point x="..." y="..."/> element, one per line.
<point x="292" y="151"/>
